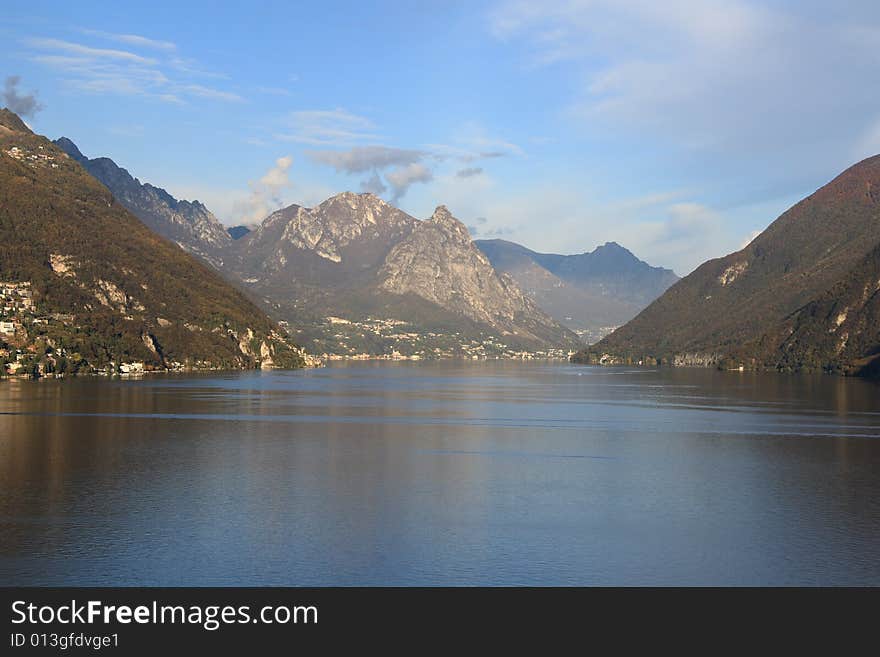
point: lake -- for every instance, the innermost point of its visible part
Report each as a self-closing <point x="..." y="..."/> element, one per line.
<point x="451" y="473"/>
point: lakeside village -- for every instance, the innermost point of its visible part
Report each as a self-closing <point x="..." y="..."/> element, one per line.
<point x="25" y="347"/>
<point x="26" y="350"/>
<point x="17" y="310"/>
<point x="393" y="339"/>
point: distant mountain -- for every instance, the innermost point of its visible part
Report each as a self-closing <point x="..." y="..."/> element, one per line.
<point x="355" y="258"/>
<point x="800" y="296"/>
<point x="189" y="224"/>
<point x="590" y="293"/>
<point x="87" y="284"/>
<point x="237" y="232"/>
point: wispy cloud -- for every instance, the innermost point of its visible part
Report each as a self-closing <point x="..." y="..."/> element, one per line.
<point x="265" y="193"/>
<point x="135" y="40"/>
<point x="207" y="92"/>
<point x="731" y="95"/>
<point x="273" y="91"/>
<point x="336" y="127"/>
<point x="89" y="53"/>
<point x="166" y="77"/>
<point x="471" y="142"/>
<point x="190" y="67"/>
<point x="765" y="84"/>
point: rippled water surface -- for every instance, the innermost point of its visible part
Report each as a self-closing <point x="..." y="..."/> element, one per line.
<point x="450" y="473"/>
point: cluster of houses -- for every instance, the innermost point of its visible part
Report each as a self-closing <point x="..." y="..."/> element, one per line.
<point x="401" y="344"/>
<point x="32" y="157"/>
<point x="16" y="301"/>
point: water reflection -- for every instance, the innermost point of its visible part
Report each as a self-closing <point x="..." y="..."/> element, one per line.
<point x="491" y="473"/>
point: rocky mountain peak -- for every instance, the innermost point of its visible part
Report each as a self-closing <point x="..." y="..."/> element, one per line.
<point x="357" y="228"/>
<point x="612" y="247"/>
<point x="443" y="219"/>
<point x="70" y="148"/>
<point x="449" y="270"/>
<point x="354" y="201"/>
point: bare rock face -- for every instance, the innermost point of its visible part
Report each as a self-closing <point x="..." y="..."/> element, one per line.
<point x="439" y="262"/>
<point x="190" y="224"/>
<point x="356" y="256"/>
<point x="348" y="226"/>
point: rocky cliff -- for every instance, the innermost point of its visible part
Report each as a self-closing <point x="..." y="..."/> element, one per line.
<point x="439" y="262"/>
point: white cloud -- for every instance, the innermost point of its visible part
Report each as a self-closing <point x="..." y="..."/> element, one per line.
<point x="234" y="206"/>
<point x="276" y="177"/>
<point x="265" y="193"/>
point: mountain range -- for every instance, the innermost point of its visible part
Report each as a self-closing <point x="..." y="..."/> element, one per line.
<point x="803" y="295"/>
<point x="374" y="279"/>
<point x="88" y="286"/>
<point x="98" y="269"/>
<point x="591" y="293"/>
<point x="355" y="275"/>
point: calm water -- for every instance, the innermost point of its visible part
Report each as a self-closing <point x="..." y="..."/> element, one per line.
<point x="441" y="474"/>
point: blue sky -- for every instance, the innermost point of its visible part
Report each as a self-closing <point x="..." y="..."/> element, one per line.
<point x="678" y="129"/>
